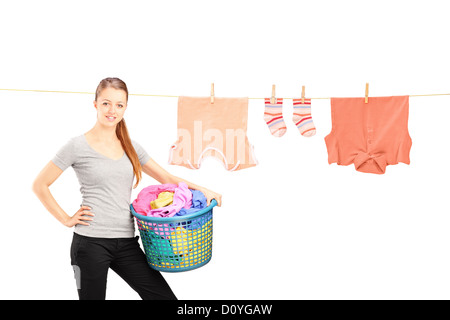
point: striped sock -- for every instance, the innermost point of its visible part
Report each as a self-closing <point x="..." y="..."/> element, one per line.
<point x="302" y="117"/>
<point x="273" y="116"/>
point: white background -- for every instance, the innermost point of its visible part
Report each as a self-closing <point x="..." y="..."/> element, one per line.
<point x="294" y="227"/>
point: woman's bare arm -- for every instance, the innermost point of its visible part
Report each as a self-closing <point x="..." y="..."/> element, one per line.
<point x="40" y="187"/>
<point x="155" y="171"/>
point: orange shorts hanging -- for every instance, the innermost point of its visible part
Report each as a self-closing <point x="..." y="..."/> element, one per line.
<point x="369" y="135"/>
<point x="216" y="129"/>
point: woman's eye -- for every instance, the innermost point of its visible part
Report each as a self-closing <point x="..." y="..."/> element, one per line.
<point x="119" y="105"/>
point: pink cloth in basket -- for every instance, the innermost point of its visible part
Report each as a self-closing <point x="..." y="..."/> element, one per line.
<point x="182" y="198"/>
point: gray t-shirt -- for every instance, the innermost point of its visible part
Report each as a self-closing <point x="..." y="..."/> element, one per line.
<point x="106" y="186"/>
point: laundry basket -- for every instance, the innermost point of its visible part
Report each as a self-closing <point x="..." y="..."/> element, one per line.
<point x="178" y="243"/>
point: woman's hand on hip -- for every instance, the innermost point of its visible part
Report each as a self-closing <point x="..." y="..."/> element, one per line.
<point x="80" y="217"/>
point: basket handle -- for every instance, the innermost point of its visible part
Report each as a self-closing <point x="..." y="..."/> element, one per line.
<point x="213" y="203"/>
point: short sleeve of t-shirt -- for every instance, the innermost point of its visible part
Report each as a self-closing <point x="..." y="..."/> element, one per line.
<point x="66" y="155"/>
<point x="142" y="154"/>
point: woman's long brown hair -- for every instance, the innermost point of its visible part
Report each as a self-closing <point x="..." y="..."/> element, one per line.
<point x="121" y="129"/>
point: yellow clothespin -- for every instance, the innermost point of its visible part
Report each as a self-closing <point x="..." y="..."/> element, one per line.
<point x="303" y="94"/>
<point x="212" y="93"/>
<point x="367" y="93"/>
<point x="272" y="100"/>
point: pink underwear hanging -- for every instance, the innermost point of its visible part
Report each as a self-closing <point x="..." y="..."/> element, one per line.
<point x="216" y="129"/>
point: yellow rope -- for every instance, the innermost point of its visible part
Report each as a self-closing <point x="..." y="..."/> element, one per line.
<point x="170" y="96"/>
<point x="131" y="94"/>
<point x="46" y="91"/>
<point x="429" y="95"/>
<point x="293" y="98"/>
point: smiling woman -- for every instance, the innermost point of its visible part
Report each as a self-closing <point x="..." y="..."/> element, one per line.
<point x="111" y="93"/>
<point x="106" y="161"/>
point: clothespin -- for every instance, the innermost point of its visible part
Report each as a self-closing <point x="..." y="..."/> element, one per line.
<point x="303" y="94"/>
<point x="367" y="93"/>
<point x="272" y="100"/>
<point x="212" y="93"/>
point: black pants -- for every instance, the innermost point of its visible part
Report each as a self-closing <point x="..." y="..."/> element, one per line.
<point x="92" y="257"/>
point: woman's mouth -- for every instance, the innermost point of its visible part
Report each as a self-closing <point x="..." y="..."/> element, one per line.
<point x="111" y="119"/>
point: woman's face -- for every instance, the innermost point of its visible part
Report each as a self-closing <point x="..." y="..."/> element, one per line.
<point x="111" y="105"/>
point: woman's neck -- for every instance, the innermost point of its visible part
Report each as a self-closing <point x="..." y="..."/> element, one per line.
<point x="103" y="133"/>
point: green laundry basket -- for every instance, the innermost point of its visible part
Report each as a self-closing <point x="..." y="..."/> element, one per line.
<point x="178" y="243"/>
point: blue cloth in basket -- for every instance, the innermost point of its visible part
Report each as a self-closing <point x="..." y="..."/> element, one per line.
<point x="198" y="202"/>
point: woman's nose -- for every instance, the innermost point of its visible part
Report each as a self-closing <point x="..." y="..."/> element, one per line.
<point x="111" y="109"/>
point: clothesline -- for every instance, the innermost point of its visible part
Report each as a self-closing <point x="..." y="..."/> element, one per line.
<point x="172" y="96"/>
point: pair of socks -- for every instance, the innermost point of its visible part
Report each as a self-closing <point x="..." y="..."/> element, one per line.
<point x="273" y="115"/>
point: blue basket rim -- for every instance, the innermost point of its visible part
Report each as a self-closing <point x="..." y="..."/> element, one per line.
<point x="212" y="204"/>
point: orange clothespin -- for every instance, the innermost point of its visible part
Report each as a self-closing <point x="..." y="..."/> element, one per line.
<point x="272" y="100"/>
<point x="367" y="93"/>
<point x="303" y="94"/>
<point x="212" y="93"/>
